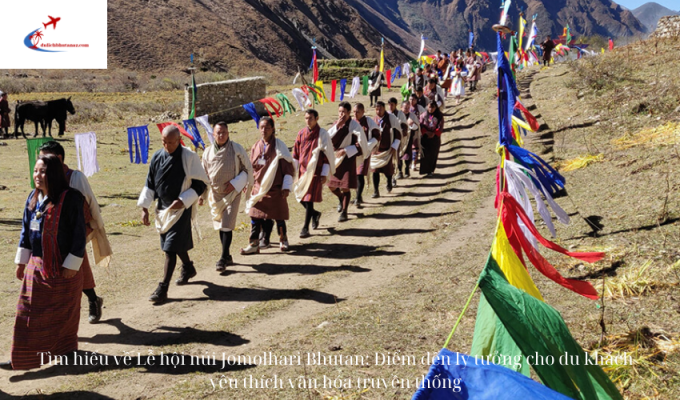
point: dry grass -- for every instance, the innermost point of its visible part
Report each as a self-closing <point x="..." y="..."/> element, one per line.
<point x="667" y="134"/>
<point x="636" y="281"/>
<point x="579" y="162"/>
<point x="644" y="355"/>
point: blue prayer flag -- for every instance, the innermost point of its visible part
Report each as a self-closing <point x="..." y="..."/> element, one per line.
<point x="139" y="135"/>
<point x="192" y="129"/>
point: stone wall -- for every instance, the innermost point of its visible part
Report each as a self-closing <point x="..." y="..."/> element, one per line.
<point x="223" y="100"/>
<point x="668" y="27"/>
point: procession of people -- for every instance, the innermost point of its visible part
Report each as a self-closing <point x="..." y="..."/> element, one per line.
<point x="62" y="214"/>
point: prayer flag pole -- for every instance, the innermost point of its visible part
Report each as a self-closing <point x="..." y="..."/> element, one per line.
<point x="193" y="88"/>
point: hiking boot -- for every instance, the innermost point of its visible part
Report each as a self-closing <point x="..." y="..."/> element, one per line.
<point x="253" y="248"/>
<point x="95" y="310"/>
<point x="283" y="244"/>
<point x="6" y="365"/>
<point x="188" y="272"/>
<point x="264" y="243"/>
<point x="400" y="175"/>
<point x="160" y="295"/>
<point x="407" y="173"/>
<point x="315" y="220"/>
<point x="343" y="217"/>
<point x="375" y="195"/>
<point x="340" y="207"/>
<point x="389" y="187"/>
<point x="222" y="264"/>
<point x="304" y="233"/>
<point x="394" y="184"/>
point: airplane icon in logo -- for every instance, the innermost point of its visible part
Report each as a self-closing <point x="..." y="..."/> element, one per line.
<point x="53" y="22"/>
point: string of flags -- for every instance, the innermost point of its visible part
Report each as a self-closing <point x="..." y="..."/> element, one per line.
<point x="514" y="324"/>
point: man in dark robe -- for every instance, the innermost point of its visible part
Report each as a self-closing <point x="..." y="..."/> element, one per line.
<point x="176" y="179"/>
<point x="548" y="45"/>
<point x="376" y="79"/>
<point x="372" y="132"/>
<point x="384" y="154"/>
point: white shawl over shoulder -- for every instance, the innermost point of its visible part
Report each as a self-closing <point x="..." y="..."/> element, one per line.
<point x="302" y="185"/>
<point x="282" y="152"/>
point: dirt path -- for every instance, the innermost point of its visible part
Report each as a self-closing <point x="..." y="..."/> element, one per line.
<point x="268" y="293"/>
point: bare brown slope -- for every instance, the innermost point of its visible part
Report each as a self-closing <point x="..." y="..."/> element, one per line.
<point x="239" y="36"/>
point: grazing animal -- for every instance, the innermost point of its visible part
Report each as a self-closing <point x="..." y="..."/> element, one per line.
<point x="43" y="113"/>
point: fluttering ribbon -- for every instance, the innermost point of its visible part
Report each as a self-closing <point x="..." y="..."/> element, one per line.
<point x="192" y="130"/>
<point x="288" y="107"/>
<point x="273" y="104"/>
<point x="250" y="109"/>
<point x="388" y="75"/>
<point x="138" y="142"/>
<point x="334" y="84"/>
<point x="343" y="85"/>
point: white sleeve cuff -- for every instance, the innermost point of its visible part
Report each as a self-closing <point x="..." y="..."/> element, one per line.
<point x="325" y="170"/>
<point x="287" y="182"/>
<point x="395" y="144"/>
<point x="73" y="262"/>
<point x="351" y="151"/>
<point x="145" y="198"/>
<point x="240" y="181"/>
<point x="188" y="197"/>
<point x="23" y="255"/>
<point x="371" y="145"/>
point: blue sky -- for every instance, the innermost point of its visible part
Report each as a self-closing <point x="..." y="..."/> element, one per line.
<point x="672" y="4"/>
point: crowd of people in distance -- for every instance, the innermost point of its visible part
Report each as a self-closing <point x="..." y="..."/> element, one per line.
<point x="62" y="214"/>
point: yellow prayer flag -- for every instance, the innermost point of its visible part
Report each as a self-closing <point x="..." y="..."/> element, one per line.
<point x="511" y="265"/>
<point x="382" y="60"/>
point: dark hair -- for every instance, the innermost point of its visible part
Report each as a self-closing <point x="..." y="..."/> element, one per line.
<point x="52" y="147"/>
<point x="419" y="89"/>
<point x="56" y="180"/>
<point x="439" y="51"/>
<point x="220" y="123"/>
<point x="433" y="103"/>
<point x="360" y="106"/>
<point x="432" y="80"/>
<point x="380" y="103"/>
<point x="269" y="121"/>
<point x="313" y="112"/>
<point x="393" y="100"/>
<point x="414" y="96"/>
<point x="345" y="105"/>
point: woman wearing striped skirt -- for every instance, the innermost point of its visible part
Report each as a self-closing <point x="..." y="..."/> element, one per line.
<point x="51" y="250"/>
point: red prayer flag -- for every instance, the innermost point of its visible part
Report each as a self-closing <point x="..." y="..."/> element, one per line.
<point x="388" y="77"/>
<point x="509" y="213"/>
<point x="181" y="130"/>
<point x="334" y="84"/>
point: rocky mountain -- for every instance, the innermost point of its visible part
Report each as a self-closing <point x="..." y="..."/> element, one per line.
<point x="239" y="36"/>
<point x="446" y="22"/>
<point x="650" y="13"/>
<point x="274" y="37"/>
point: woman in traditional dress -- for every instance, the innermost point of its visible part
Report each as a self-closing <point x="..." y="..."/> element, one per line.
<point x="52" y="243"/>
<point x="431" y="128"/>
<point x="459" y="74"/>
<point x="273" y="172"/>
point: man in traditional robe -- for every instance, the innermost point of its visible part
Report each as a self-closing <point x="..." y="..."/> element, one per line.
<point x="411" y="139"/>
<point x="420" y="97"/>
<point x="392" y="105"/>
<point x="435" y="93"/>
<point x="548" y="46"/>
<point x="419" y="81"/>
<point x="227" y="165"/>
<point x="94" y="225"/>
<point x="350" y="145"/>
<point x="273" y="171"/>
<point x="375" y="82"/>
<point x="384" y="154"/>
<point x="314" y="159"/>
<point x="372" y="132"/>
<point x="4" y="114"/>
<point x="176" y="180"/>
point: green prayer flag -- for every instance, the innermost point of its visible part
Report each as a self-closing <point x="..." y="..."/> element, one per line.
<point x="287" y="106"/>
<point x="364" y="88"/>
<point x="193" y="97"/>
<point x="32" y="146"/>
<point x="568" y="35"/>
<point x="539" y="331"/>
